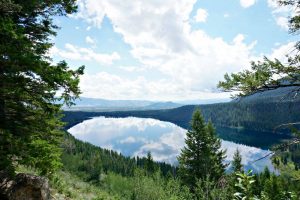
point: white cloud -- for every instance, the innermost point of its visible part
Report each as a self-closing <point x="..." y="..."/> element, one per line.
<point x="238" y="39"/>
<point x="283" y="22"/>
<point x="73" y="52"/>
<point x="161" y="38"/>
<point x="281" y="51"/>
<point x="128" y="140"/>
<point x="226" y="15"/>
<point x="282" y="13"/>
<point x="109" y="86"/>
<point x="247" y="3"/>
<point x="89" y="40"/>
<point x="132" y="68"/>
<point x="201" y="15"/>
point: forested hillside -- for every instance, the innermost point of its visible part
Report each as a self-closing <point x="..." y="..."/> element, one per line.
<point x="89" y="162"/>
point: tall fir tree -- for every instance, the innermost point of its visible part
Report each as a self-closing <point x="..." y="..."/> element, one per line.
<point x="201" y="157"/>
<point x="149" y="164"/>
<point x="236" y="163"/>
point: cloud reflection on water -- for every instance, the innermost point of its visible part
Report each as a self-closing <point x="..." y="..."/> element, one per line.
<point x="136" y="136"/>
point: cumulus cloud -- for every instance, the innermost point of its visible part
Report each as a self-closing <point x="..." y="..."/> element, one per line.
<point x="281" y="51"/>
<point x="129" y="140"/>
<point x="133" y="68"/>
<point x="201" y="15"/>
<point x="247" y="3"/>
<point x="159" y="33"/>
<point x="89" y="40"/>
<point x="283" y="22"/>
<point x="110" y="86"/>
<point x="73" y="52"/>
<point x="282" y="13"/>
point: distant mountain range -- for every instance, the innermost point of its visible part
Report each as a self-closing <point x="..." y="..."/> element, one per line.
<point x="286" y="94"/>
<point x="204" y="101"/>
<point x="92" y="104"/>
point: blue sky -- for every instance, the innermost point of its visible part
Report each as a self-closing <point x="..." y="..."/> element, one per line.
<point x="171" y="49"/>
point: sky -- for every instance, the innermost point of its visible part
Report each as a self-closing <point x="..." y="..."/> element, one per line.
<point x="168" y="50"/>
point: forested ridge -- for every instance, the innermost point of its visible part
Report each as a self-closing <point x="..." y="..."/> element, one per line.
<point x="89" y="162"/>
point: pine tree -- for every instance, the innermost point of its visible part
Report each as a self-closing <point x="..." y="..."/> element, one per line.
<point x="236" y="163"/>
<point x="201" y="157"/>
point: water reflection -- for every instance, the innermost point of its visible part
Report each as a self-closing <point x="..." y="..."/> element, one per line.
<point x="133" y="136"/>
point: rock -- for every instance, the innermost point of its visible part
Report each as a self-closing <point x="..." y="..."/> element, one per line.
<point x="6" y="184"/>
<point x="24" y="187"/>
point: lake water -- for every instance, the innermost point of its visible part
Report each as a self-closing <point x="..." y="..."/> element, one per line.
<point x="133" y="136"/>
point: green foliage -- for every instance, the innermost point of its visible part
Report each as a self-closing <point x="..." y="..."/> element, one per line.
<point x="140" y="186"/>
<point x="210" y="190"/>
<point x="201" y="157"/>
<point x="67" y="186"/>
<point x="263" y="76"/>
<point x="244" y="184"/>
<point x="264" y="186"/>
<point x="30" y="117"/>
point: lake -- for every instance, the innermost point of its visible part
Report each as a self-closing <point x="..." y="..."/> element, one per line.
<point x="133" y="136"/>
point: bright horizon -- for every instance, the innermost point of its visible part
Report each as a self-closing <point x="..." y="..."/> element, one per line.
<point x="170" y="50"/>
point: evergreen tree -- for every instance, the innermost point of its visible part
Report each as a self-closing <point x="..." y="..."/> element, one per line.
<point x="236" y="163"/>
<point x="149" y="165"/>
<point x="201" y="157"/>
<point x="30" y="128"/>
